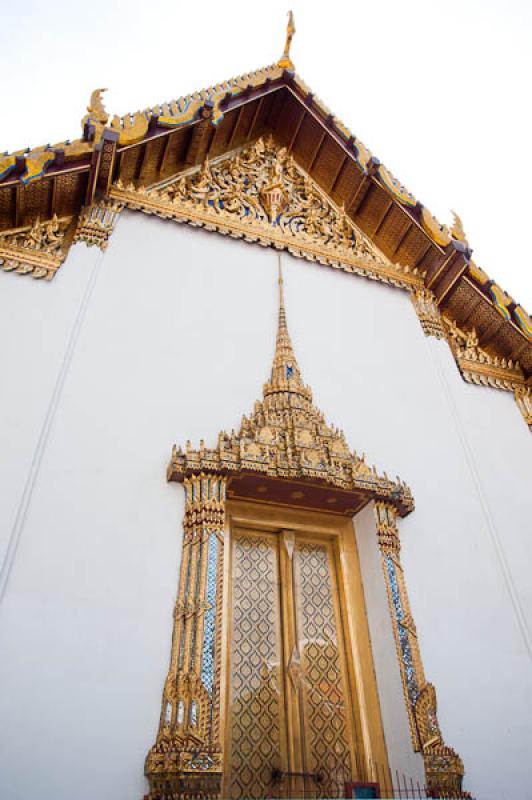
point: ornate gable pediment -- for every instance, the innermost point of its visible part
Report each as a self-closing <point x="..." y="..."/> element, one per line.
<point x="261" y="194"/>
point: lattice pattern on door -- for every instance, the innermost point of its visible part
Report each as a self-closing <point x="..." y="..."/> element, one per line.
<point x="256" y="735"/>
<point x="323" y="682"/>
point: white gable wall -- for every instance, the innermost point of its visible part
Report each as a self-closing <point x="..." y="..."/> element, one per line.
<point x="175" y="343"/>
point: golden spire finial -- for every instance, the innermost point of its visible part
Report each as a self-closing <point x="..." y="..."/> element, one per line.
<point x="285" y="375"/>
<point x="285" y="61"/>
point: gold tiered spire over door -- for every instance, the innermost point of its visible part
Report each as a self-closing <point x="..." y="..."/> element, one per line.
<point x="285" y="375"/>
<point x="288" y="438"/>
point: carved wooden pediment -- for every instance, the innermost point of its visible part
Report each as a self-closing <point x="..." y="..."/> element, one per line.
<point x="261" y="194"/>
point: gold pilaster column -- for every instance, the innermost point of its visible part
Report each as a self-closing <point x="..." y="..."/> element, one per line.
<point x="444" y="769"/>
<point x="186" y="758"/>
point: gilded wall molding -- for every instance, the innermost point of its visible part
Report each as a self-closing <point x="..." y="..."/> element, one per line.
<point x="261" y="195"/>
<point x="37" y="250"/>
<point x="97" y="222"/>
<point x="444" y="769"/>
<point x="428" y="312"/>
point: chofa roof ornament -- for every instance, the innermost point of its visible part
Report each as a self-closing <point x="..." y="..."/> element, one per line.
<point x="285" y="61"/>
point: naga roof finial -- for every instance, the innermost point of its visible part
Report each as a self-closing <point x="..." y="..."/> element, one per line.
<point x="285" y="61"/>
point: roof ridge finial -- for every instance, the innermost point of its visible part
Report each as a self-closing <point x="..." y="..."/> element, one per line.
<point x="285" y="62"/>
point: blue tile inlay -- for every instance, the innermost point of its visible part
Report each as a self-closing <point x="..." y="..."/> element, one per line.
<point x="404" y="641"/>
<point x="209" y="632"/>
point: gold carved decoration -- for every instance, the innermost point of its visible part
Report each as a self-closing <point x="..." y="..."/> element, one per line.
<point x="187" y="750"/>
<point x="97" y="222"/>
<point x="428" y="313"/>
<point x="523" y="398"/>
<point x="285" y="61"/>
<point x="441" y="234"/>
<point x="457" y="229"/>
<point x="180" y="112"/>
<point x="37" y="250"/>
<point x="96" y="112"/>
<point x="287" y="437"/>
<point x="395" y="186"/>
<point x="478" y="366"/>
<point x="444" y="769"/>
<point x="261" y="194"/>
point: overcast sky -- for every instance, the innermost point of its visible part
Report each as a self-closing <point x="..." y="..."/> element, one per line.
<point x="440" y="92"/>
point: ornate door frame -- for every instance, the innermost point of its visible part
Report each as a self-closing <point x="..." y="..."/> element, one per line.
<point x="284" y="455"/>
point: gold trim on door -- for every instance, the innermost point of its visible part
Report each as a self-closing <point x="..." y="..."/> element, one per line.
<point x="256" y="719"/>
<point x="302" y="715"/>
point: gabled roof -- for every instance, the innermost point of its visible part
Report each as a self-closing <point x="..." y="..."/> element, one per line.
<point x="150" y="146"/>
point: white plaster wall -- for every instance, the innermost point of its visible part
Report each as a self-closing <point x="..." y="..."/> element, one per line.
<point x="37" y="320"/>
<point x="471" y="592"/>
<point x="175" y="344"/>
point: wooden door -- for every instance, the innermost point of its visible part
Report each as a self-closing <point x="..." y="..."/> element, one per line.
<point x="289" y="722"/>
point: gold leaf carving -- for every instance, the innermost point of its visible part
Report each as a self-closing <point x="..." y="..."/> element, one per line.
<point x="96" y="223"/>
<point x="261" y="194"/>
<point x="428" y="313"/>
<point x="96" y="107"/>
<point x="286" y="436"/>
<point x="478" y="366"/>
<point x="285" y="61"/>
<point x="37" y="250"/>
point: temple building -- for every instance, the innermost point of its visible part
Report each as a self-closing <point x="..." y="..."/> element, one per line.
<point x="207" y="589"/>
